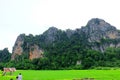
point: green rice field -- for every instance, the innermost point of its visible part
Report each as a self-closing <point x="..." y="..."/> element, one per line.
<point x="64" y="74"/>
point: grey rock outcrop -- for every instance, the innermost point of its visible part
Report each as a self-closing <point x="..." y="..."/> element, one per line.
<point x="69" y="32"/>
<point x="96" y="29"/>
<point x="50" y="35"/>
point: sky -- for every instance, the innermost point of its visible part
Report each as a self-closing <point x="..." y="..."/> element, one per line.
<point x="36" y="16"/>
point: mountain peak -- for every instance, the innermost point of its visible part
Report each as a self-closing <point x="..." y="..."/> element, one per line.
<point x="99" y="24"/>
<point x="96" y="21"/>
<point x="52" y="28"/>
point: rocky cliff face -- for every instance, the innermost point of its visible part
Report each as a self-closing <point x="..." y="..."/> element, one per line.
<point x="104" y="46"/>
<point x="97" y="30"/>
<point x="33" y="51"/>
<point x="17" y="49"/>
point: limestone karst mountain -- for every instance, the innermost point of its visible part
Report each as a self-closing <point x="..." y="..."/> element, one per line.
<point x="97" y="35"/>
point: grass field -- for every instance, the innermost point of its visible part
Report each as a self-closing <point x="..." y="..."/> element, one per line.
<point x="65" y="74"/>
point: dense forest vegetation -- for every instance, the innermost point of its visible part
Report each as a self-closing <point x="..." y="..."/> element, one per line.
<point x="63" y="54"/>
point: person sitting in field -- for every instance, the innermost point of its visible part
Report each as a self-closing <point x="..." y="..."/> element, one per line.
<point x="19" y="76"/>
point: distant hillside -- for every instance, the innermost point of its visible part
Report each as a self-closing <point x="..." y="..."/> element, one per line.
<point x="96" y="44"/>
